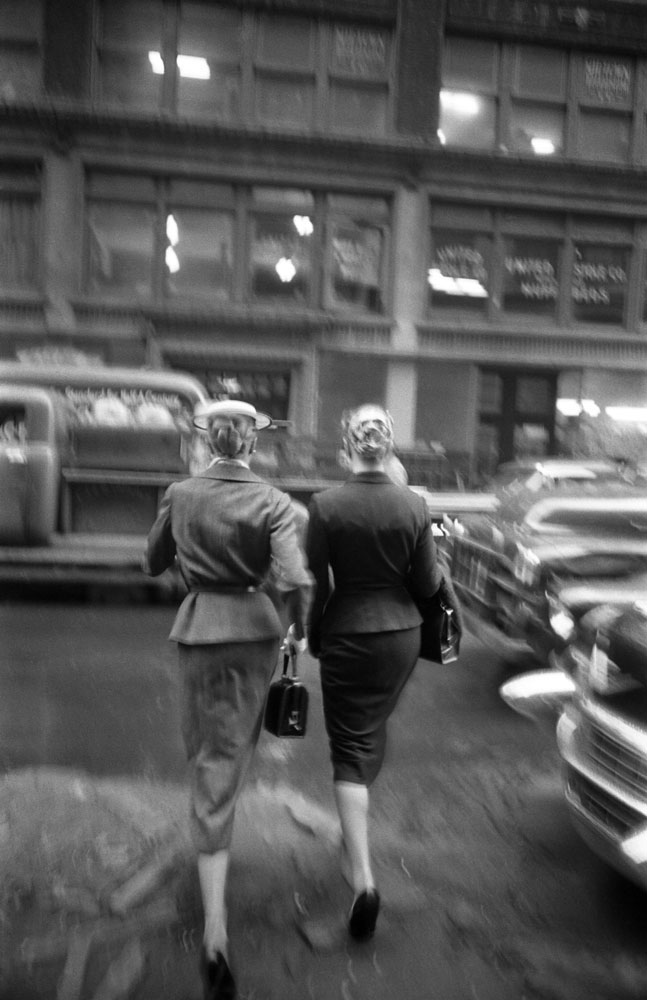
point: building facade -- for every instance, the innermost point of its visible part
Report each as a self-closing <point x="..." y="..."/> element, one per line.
<point x="440" y="206"/>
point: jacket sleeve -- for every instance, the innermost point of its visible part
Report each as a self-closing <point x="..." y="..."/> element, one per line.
<point x="425" y="572"/>
<point x="288" y="570"/>
<point x="318" y="563"/>
<point x="160" y="547"/>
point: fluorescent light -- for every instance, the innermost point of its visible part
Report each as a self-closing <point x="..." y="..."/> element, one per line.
<point x="303" y="225"/>
<point x="590" y="407"/>
<point x="157" y="63"/>
<point x="172" y="261"/>
<point x="441" y="137"/>
<point x="460" y="103"/>
<point x="627" y="414"/>
<point x="569" y="407"/>
<point x="542" y="147"/>
<point x="194" y="67"/>
<point x="285" y="270"/>
<point x="172" y="231"/>
<point x="468" y="287"/>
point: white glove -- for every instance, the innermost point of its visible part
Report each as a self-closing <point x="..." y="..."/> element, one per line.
<point x="299" y="645"/>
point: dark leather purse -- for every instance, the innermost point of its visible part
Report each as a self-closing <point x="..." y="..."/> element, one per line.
<point x="286" y="708"/>
<point x="440" y="636"/>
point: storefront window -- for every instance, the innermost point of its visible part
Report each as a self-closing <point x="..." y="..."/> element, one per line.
<point x="357" y="253"/>
<point x="281" y="245"/>
<point x="199" y="255"/>
<point x="540" y="72"/>
<point x="459" y="272"/>
<point x="468" y="107"/>
<point x="531" y="276"/>
<point x="121" y="250"/>
<point x="599" y="283"/>
<point x="19" y="227"/>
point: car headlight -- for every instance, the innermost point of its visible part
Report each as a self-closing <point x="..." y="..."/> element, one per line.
<point x="561" y="620"/>
<point x="526" y="567"/>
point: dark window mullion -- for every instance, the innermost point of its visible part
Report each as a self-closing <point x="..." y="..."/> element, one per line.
<point x="248" y="48"/>
<point x="323" y="57"/>
<point x="504" y="100"/>
<point x="320" y="252"/>
<point x="242" y="246"/>
<point x="159" y="242"/>
<point x="170" y="35"/>
<point x="573" y="77"/>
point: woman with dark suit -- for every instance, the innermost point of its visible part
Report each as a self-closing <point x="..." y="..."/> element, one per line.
<point x="226" y="528"/>
<point x="369" y="547"/>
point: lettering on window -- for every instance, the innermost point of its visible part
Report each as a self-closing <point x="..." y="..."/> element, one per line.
<point x="535" y="277"/>
<point x="592" y="282"/>
<point x="607" y="81"/>
<point x="360" y="52"/>
<point x="460" y="261"/>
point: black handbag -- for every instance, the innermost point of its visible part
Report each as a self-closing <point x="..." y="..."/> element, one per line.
<point x="286" y="708"/>
<point x="440" y="636"/>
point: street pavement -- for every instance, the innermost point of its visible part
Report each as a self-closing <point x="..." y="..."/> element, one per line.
<point x="99" y="897"/>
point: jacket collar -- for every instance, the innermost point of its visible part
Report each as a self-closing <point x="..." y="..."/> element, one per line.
<point x="369" y="477"/>
<point x="230" y="471"/>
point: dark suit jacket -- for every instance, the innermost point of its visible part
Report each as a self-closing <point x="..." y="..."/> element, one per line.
<point x="376" y="538"/>
<point x="228" y="530"/>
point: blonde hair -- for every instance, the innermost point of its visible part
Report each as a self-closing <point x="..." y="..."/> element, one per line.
<point x="232" y="436"/>
<point x="368" y="431"/>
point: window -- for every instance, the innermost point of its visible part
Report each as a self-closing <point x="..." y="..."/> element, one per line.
<point x="544" y="266"/>
<point x="537" y="100"/>
<point x="191" y="240"/>
<point x="530" y="275"/>
<point x="19" y="227"/>
<point x="357" y="262"/>
<point x="21" y="29"/>
<point x="599" y="283"/>
<point x="216" y="62"/>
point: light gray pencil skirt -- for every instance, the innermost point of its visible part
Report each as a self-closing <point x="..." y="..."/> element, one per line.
<point x="224" y="688"/>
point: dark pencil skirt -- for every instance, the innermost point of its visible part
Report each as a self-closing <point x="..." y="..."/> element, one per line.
<point x="362" y="677"/>
<point x="224" y="688"/>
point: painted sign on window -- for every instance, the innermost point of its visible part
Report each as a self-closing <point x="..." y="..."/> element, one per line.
<point x="532" y="277"/>
<point x="360" y="52"/>
<point x="607" y="80"/>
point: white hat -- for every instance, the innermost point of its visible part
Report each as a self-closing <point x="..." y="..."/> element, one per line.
<point x="204" y="412"/>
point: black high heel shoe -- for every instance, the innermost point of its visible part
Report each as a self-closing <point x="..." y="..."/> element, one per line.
<point x="363" y="915"/>
<point x="217" y="980"/>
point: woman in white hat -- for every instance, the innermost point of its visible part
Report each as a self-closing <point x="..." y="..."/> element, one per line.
<point x="224" y="527"/>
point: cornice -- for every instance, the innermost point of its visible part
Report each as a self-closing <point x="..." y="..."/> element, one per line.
<point x="541" y="349"/>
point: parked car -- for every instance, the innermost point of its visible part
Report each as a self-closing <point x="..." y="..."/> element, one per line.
<point x="598" y="691"/>
<point x="512" y="567"/>
<point x="547" y="473"/>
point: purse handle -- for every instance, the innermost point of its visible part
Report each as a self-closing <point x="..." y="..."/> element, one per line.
<point x="289" y="654"/>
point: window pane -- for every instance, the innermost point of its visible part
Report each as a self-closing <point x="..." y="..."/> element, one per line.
<point x="199" y="253"/>
<point x="286" y="41"/>
<point x="530" y="283"/>
<point x="534" y="395"/>
<point x="467" y="120"/>
<point x="540" y="72"/>
<point x="604" y="137"/>
<point x="217" y="96"/>
<point x="469" y="64"/>
<point x="268" y="391"/>
<point x="599" y="283"/>
<point x="129" y="81"/>
<point x="280" y="263"/>
<point x="18" y="243"/>
<point x="285" y="102"/>
<point x="357" y="266"/>
<point x="128" y="25"/>
<point x="360" y="51"/>
<point x="120" y="250"/>
<point x="490" y="393"/>
<point x="539" y="131"/>
<point x="21" y="19"/>
<point x="20" y="74"/>
<point x="211" y="32"/>
<point x="459" y="272"/>
<point x="357" y="110"/>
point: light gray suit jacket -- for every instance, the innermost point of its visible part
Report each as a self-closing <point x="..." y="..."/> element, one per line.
<point x="229" y="531"/>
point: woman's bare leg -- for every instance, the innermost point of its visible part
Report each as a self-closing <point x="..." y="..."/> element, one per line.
<point x="352" y="805"/>
<point x="212" y="869"/>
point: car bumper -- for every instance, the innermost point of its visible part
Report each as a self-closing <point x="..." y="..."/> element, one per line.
<point x="606" y="812"/>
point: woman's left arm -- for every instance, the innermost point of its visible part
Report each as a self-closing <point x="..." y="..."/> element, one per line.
<point x="160" y="546"/>
<point x="317" y="556"/>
